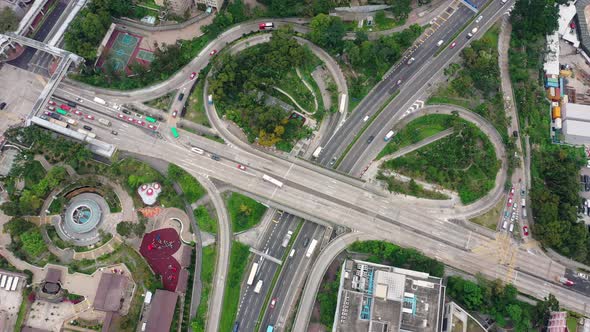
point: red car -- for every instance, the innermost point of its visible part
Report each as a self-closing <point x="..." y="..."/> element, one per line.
<point x="242" y="167"/>
<point x="453" y="44"/>
<point x="193" y="75"/>
<point x="121" y="116"/>
<point x="130" y="119"/>
<point x="51" y="108"/>
<point x="89" y="117"/>
<point x="77" y="112"/>
<point x="51" y="102"/>
<point x="213" y="53"/>
<point x="47" y="113"/>
<point x="525" y="230"/>
<point x="512" y="191"/>
<point x="141" y="123"/>
<point x="174" y="114"/>
<point x="509" y="201"/>
<point x="273" y="303"/>
<point x="65" y="107"/>
<point x="151" y="126"/>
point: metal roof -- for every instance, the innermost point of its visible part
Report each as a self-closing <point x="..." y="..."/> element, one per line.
<point x="161" y="311"/>
<point x="110" y="292"/>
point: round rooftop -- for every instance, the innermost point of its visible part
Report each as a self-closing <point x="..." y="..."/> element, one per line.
<point x="82" y="215"/>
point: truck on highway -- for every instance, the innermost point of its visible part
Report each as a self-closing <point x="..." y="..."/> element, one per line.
<point x="311" y="248"/>
<point x="523" y="202"/>
<point x="59" y="123"/>
<point x="258" y="287"/>
<point x="100" y="101"/>
<point x="266" y="26"/>
<point x="389" y="135"/>
<point x="565" y="281"/>
<point x="105" y="122"/>
<point x="72" y="122"/>
<point x="250" y="280"/>
<point x="286" y="239"/>
<point x="270" y="328"/>
<point x="473" y="31"/>
<point x="317" y="152"/>
<point x="210" y="99"/>
<point x="87" y="133"/>
<point x="272" y="180"/>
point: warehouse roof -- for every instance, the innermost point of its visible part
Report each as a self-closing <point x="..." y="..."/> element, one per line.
<point x="110" y="292"/>
<point x="577" y="112"/>
<point x="161" y="311"/>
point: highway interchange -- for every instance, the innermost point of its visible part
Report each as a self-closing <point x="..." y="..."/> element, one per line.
<point x="328" y="198"/>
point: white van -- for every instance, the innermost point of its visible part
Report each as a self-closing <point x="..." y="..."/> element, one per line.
<point x="440" y="42"/>
<point x="511" y="228"/>
<point x="365" y="118"/>
<point x="197" y="150"/>
<point x="292" y="253"/>
<point x="504" y="224"/>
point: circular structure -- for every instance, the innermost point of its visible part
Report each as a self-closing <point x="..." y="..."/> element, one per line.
<point x="82" y="215"/>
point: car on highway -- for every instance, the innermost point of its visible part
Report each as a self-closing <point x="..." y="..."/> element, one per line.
<point x="193" y="75"/>
<point x="114" y="132"/>
<point x="51" y="102"/>
<point x="126" y="112"/>
<point x="479" y="19"/>
<point x="151" y="126"/>
<point x="440" y="42"/>
<point x="453" y="44"/>
<point x="89" y="117"/>
<point x="87" y="127"/>
<point x="273" y="303"/>
<point x="215" y="157"/>
<point x="525" y="230"/>
<point x="305" y="242"/>
<point x="77" y="112"/>
<point x="411" y="61"/>
<point x="504" y="1"/>
<point x="370" y="139"/>
<point x="399" y="82"/>
<point x="51" y="108"/>
<point x="79" y="100"/>
<point x="174" y="113"/>
<point x="212" y="53"/>
<point x="242" y="167"/>
<point x="197" y="150"/>
<point x="141" y="123"/>
<point x="509" y="201"/>
<point x="121" y="116"/>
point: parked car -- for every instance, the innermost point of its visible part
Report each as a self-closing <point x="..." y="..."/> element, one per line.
<point x="151" y="126"/>
<point x="215" y="157"/>
<point x="51" y="102"/>
<point x="114" y="132"/>
<point x="2" y="105"/>
<point x="87" y="127"/>
<point x="121" y="116"/>
<point x="51" y="108"/>
<point x="193" y="75"/>
<point x="77" y="112"/>
<point x="174" y="114"/>
<point x="525" y="230"/>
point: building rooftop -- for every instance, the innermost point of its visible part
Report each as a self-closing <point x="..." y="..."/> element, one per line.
<point x="577" y="112"/>
<point x="110" y="292"/>
<point x="551" y="65"/>
<point x="557" y="322"/>
<point x="53" y="275"/>
<point x="374" y="297"/>
<point x="161" y="311"/>
<point x="578" y="128"/>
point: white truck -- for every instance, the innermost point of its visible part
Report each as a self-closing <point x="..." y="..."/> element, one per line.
<point x="272" y="180"/>
<point x="317" y="152"/>
<point x="72" y="122"/>
<point x="258" y="287"/>
<point x="100" y="101"/>
<point x="389" y="135"/>
<point x="105" y="122"/>
<point x="311" y="248"/>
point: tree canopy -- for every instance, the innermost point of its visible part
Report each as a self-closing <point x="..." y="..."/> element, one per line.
<point x="8" y="20"/>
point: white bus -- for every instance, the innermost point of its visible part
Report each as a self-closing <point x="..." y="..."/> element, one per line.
<point x="258" y="287"/>
<point x="252" y="274"/>
<point x="14" y="284"/>
<point x="311" y="248"/>
<point x="272" y="180"/>
<point x="100" y="101"/>
<point x="317" y="152"/>
<point x="342" y="104"/>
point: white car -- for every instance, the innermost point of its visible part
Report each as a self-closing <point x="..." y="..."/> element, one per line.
<point x="479" y="19"/>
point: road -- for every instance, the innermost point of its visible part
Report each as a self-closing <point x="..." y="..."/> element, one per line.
<point x="291" y="279"/>
<point x="250" y="302"/>
<point x="416" y="87"/>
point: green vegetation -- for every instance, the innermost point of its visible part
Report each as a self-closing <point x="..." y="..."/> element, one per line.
<point x="163" y="102"/>
<point x="207" y="268"/>
<point x="26" y="240"/>
<point x="244" y="211"/>
<point x="8" y="20"/>
<point x="490" y="218"/>
<point x="499" y="301"/>
<point x="205" y="219"/>
<point x="191" y="188"/>
<point x="328" y="299"/>
<point x="417" y="130"/>
<point x="464" y="162"/>
<point x="239" y="82"/>
<point x="409" y="188"/>
<point x="186" y="310"/>
<point x="476" y="84"/>
<point x="23" y="309"/>
<point x="294" y="87"/>
<point x="237" y="267"/>
<point x="554" y="168"/>
<point x="368" y="60"/>
<point x="33" y="243"/>
<point x="195" y="104"/>
<point x="131" y="229"/>
<point x="382" y="252"/>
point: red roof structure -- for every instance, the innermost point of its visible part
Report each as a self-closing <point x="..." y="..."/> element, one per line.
<point x="158" y="247"/>
<point x="557" y="322"/>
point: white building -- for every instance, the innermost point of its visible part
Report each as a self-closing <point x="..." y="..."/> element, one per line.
<point x="576" y="124"/>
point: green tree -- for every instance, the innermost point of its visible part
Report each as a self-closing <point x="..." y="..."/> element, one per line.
<point x="33" y="243"/>
<point x="8" y="20"/>
<point x="327" y="31"/>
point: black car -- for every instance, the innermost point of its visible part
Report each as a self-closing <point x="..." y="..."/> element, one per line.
<point x="305" y="242"/>
<point x="72" y="104"/>
<point x="2" y="105"/>
<point x="371" y="138"/>
<point x="126" y="111"/>
<point x="87" y="127"/>
<point x="180" y="96"/>
<point x="215" y="157"/>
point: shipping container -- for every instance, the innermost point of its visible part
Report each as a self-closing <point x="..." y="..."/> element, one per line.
<point x="557" y="124"/>
<point x="556" y="112"/>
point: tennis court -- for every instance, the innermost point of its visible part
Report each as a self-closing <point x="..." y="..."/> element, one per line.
<point x="145" y="55"/>
<point x="122" y="50"/>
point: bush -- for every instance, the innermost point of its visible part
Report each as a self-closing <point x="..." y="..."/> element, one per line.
<point x="191" y="188"/>
<point x="33" y="243"/>
<point x="244" y="211"/>
<point x="206" y="222"/>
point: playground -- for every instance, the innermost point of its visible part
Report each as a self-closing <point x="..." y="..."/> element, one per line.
<point x="158" y="247"/>
<point x="122" y="49"/>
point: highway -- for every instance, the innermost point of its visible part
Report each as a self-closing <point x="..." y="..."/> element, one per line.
<point x="251" y="303"/>
<point x="293" y="274"/>
<point x="416" y="87"/>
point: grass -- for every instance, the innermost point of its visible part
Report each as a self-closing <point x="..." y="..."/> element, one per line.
<point x="572" y="323"/>
<point x="444" y="97"/>
<point x="205" y="219"/>
<point x="22" y="311"/>
<point x="237" y="267"/>
<point x="306" y="75"/>
<point x="417" y="130"/>
<point x="490" y="218"/>
<point x="163" y="102"/>
<point x="244" y="211"/>
<point x="292" y="85"/>
<point x="410" y="188"/>
<point x="207" y="269"/>
<point x="191" y="188"/>
<point x="464" y="162"/>
<point x="196" y="104"/>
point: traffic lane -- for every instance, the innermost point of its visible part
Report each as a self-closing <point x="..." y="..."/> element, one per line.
<point x="581" y="281"/>
<point x="360" y="155"/>
<point x="377" y="97"/>
<point x="296" y="267"/>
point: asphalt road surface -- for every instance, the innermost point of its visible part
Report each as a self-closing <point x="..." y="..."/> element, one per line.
<point x="251" y="303"/>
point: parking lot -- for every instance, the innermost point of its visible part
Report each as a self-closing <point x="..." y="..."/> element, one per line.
<point x="10" y="301"/>
<point x="49" y="316"/>
<point x="581" y="281"/>
<point x="20" y="92"/>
